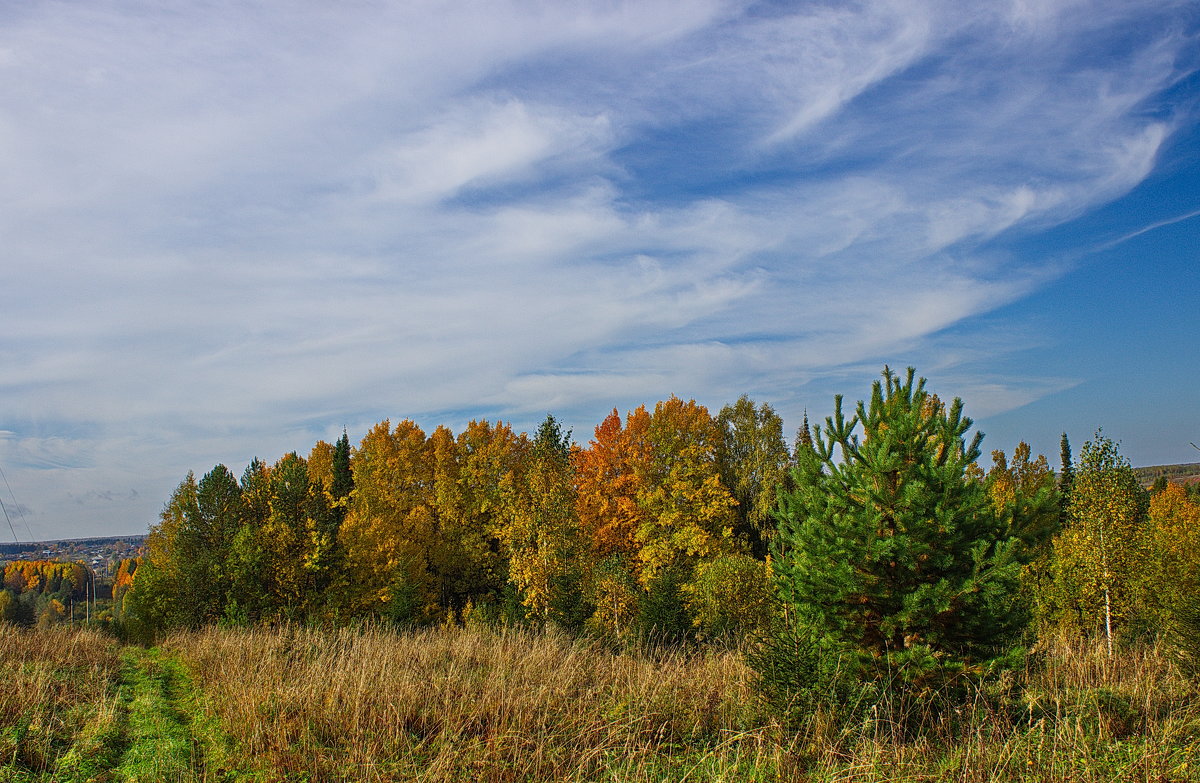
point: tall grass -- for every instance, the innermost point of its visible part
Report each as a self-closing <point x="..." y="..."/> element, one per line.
<point x="453" y="704"/>
<point x="479" y="705"/>
<point x="1077" y="714"/>
<point x="465" y="704"/>
<point x="58" y="698"/>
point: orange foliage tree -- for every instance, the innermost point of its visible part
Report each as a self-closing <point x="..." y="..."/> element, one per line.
<point x="608" y="476"/>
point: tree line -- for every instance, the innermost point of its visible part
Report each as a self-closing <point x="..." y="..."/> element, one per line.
<point x="875" y="540"/>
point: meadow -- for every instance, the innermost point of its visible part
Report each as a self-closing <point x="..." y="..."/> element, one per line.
<point x="485" y="704"/>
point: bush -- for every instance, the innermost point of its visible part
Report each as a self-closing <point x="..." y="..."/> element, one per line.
<point x="730" y="598"/>
<point x="662" y="616"/>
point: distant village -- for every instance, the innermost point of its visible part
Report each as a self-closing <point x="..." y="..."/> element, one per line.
<point x="102" y="555"/>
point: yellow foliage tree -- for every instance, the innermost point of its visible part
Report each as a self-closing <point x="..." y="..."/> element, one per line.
<point x="1171" y="543"/>
<point x="548" y="552"/>
<point x="468" y="563"/>
<point x="688" y="512"/>
<point x="389" y="527"/>
<point x="1098" y="555"/>
<point x="1025" y="495"/>
<point x="320" y="466"/>
<point x="753" y="459"/>
<point x="291" y="537"/>
<point x="52" y="614"/>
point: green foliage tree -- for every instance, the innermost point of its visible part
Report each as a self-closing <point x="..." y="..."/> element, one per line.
<point x="730" y="597"/>
<point x="891" y="555"/>
<point x="1066" y="478"/>
<point x="291" y="540"/>
<point x="248" y="596"/>
<point x="202" y="545"/>
<point x="159" y="599"/>
<point x="8" y="606"/>
<point x="343" y="476"/>
<point x="753" y="460"/>
<point x="186" y="577"/>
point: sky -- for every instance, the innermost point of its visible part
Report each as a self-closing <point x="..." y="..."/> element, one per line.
<point x="231" y="229"/>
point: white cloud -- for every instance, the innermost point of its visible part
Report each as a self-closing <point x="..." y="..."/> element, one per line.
<point x="820" y="59"/>
<point x="231" y="229"/>
<point x="482" y="146"/>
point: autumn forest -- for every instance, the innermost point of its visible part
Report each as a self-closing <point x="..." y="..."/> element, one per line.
<point x="663" y="524"/>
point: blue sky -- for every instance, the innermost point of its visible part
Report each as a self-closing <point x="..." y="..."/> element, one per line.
<point x="232" y="229"/>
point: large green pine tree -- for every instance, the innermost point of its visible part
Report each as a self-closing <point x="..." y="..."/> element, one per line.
<point x="204" y="543"/>
<point x="888" y="551"/>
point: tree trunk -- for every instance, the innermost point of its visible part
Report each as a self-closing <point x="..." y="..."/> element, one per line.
<point x="1108" y="620"/>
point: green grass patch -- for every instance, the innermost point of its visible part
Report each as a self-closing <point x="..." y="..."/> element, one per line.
<point x="159" y="743"/>
<point x="141" y="721"/>
<point x="169" y="738"/>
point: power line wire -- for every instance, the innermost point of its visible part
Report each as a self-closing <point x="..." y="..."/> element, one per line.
<point x="16" y="506"/>
<point x="4" y="508"/>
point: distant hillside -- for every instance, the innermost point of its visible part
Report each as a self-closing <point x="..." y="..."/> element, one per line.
<point x="1181" y="474"/>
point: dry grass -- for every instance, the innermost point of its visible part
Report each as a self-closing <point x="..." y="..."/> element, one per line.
<point x="475" y="705"/>
<point x="1076" y="715"/>
<point x="447" y="705"/>
<point x="57" y="692"/>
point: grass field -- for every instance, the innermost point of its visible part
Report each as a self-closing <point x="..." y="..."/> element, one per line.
<point x="477" y="705"/>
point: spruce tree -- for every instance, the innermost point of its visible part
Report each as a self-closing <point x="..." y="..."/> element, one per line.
<point x="550" y="441"/>
<point x="803" y="436"/>
<point x="343" y="478"/>
<point x="888" y="552"/>
<point x="1066" y="479"/>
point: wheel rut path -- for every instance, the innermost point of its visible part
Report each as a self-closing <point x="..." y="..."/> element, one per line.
<point x="154" y="731"/>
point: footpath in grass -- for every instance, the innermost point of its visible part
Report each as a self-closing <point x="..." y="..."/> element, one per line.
<point x="166" y="738"/>
<point x="147" y="727"/>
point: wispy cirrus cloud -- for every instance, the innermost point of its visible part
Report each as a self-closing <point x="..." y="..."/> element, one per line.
<point x="230" y="230"/>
